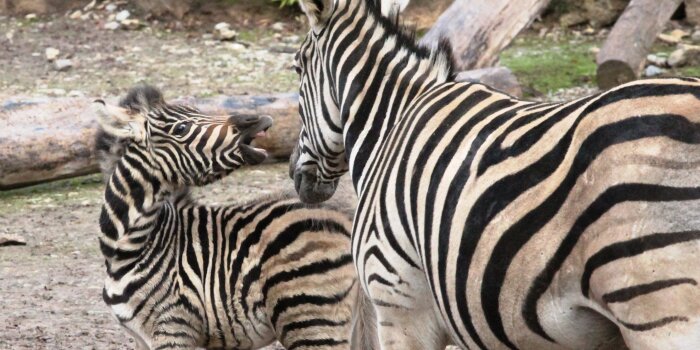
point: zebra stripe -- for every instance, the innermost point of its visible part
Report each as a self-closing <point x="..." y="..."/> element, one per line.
<point x="492" y="222"/>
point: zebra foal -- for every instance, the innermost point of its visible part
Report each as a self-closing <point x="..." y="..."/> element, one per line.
<point x="185" y="275"/>
<point x="496" y="223"/>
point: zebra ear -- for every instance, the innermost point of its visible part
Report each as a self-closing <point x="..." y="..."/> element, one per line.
<point x="318" y="12"/>
<point x="120" y="122"/>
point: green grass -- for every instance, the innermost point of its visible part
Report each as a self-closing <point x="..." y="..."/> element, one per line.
<point x="545" y="65"/>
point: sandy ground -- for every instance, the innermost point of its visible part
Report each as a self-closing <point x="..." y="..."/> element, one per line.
<point x="50" y="289"/>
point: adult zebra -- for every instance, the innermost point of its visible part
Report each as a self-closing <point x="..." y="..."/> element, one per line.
<point x="186" y="275"/>
<point x="492" y="222"/>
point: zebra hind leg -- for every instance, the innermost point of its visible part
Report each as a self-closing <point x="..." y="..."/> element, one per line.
<point x="320" y="318"/>
<point x="406" y="317"/>
<point x="173" y="337"/>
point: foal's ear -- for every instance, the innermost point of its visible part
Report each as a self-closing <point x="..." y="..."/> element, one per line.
<point x="120" y="122"/>
<point x="318" y="12"/>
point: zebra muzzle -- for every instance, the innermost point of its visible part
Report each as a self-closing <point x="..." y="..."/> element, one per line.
<point x="310" y="189"/>
<point x="251" y="127"/>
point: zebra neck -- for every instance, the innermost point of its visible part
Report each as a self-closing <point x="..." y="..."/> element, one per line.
<point x="377" y="89"/>
<point x="133" y="200"/>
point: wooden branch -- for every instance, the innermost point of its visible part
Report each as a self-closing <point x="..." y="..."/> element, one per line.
<point x="480" y="29"/>
<point x="621" y="59"/>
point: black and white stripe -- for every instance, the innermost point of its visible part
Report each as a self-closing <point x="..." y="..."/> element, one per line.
<point x="492" y="222"/>
<point x="185" y="275"/>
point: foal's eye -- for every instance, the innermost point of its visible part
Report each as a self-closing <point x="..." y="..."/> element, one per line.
<point x="180" y="128"/>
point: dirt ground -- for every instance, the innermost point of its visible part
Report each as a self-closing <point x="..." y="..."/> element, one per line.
<point x="51" y="289"/>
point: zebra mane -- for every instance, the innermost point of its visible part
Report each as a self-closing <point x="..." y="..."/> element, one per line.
<point x="110" y="149"/>
<point x="441" y="55"/>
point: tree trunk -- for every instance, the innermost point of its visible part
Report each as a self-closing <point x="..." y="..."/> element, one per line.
<point x="479" y="29"/>
<point x="622" y="57"/>
<point x="692" y="11"/>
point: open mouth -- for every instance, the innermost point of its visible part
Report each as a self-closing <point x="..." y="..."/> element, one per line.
<point x="254" y="155"/>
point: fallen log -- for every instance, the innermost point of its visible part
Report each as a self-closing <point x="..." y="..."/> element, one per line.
<point x="480" y="29"/>
<point x="50" y="139"/>
<point x="622" y="57"/>
<point x="47" y="139"/>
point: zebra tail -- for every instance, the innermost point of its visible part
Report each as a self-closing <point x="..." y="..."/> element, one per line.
<point x="364" y="325"/>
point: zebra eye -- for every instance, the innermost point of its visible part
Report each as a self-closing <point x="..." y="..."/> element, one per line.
<point x="180" y="128"/>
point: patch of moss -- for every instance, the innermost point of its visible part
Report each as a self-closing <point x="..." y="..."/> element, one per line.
<point x="693" y="71"/>
<point x="546" y="65"/>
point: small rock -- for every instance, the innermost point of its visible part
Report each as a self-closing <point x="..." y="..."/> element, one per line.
<point x="63" y="65"/>
<point x="657" y="60"/>
<point x="207" y="36"/>
<point x="76" y="15"/>
<point x="52" y="54"/>
<point x="122" y="16"/>
<point x="131" y="24"/>
<point x="292" y="39"/>
<point x="695" y="38"/>
<point x="30" y="17"/>
<point x="111" y="7"/>
<point x="679" y="34"/>
<point x="685" y="55"/>
<point x="56" y="92"/>
<point x="236" y="47"/>
<point x="279" y="27"/>
<point x="7" y="239"/>
<point x="112" y="26"/>
<point x="223" y="32"/>
<point x="90" y="6"/>
<point x="589" y="31"/>
<point x="669" y="39"/>
<point x="677" y="58"/>
<point x="222" y="25"/>
<point x="76" y="93"/>
<point x="653" y="71"/>
<point x="594" y="50"/>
